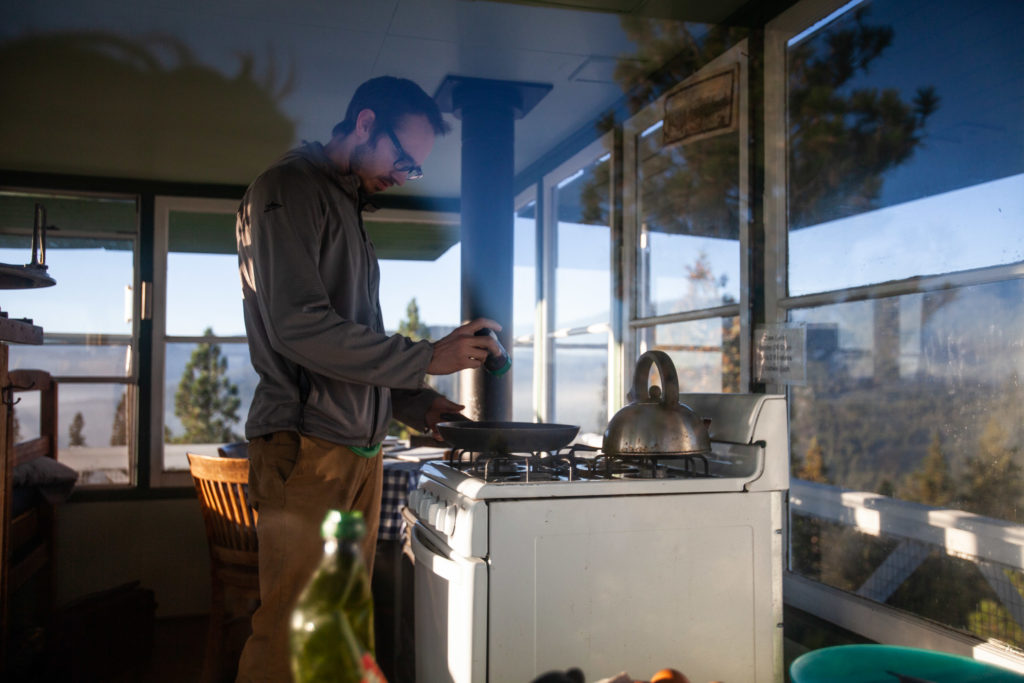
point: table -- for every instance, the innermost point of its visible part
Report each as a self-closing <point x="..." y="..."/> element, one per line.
<point x="392" y="570"/>
<point x="400" y="478"/>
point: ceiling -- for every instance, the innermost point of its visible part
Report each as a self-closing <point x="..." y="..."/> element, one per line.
<point x="212" y="90"/>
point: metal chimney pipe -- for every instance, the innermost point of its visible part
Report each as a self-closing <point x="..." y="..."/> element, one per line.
<point x="488" y="110"/>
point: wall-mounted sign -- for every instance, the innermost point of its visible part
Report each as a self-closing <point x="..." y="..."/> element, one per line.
<point x="703" y="108"/>
<point x="780" y="354"/>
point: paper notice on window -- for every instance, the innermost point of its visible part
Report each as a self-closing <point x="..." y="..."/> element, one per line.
<point x="780" y="354"/>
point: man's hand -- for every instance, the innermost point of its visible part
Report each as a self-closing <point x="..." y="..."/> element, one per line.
<point x="462" y="349"/>
<point x="439" y="407"/>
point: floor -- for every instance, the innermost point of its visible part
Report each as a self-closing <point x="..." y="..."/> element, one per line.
<point x="178" y="647"/>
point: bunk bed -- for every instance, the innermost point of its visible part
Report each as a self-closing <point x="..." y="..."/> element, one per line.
<point x="33" y="482"/>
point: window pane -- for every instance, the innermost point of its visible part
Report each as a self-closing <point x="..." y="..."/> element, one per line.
<point x="94" y="431"/>
<point x="73" y="360"/>
<point x="580" y="382"/>
<point x="435" y="285"/>
<point x="203" y="288"/>
<point x="522" y="384"/>
<point x="917" y="398"/>
<point x="903" y="146"/>
<point x="93" y="290"/>
<point x="706" y="353"/>
<point x="947" y="364"/>
<point x="524" y="302"/>
<point x="583" y="250"/>
<point x="688" y="256"/>
<point x="207" y="391"/>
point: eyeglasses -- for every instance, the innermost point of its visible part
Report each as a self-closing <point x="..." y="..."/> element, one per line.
<point x="404" y="163"/>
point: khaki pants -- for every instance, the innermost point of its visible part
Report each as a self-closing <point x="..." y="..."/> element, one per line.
<point x="294" y="481"/>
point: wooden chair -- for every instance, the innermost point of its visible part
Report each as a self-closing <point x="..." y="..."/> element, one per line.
<point x="231" y="534"/>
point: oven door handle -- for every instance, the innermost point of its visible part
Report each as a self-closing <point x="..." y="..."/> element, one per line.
<point x="440" y="561"/>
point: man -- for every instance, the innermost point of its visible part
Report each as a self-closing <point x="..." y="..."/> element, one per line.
<point x="329" y="375"/>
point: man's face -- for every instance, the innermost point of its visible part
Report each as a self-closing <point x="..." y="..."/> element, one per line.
<point x="379" y="164"/>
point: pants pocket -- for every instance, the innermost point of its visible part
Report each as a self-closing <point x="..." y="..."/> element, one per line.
<point x="272" y="460"/>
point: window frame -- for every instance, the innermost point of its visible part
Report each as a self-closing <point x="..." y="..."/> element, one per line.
<point x="159" y="477"/>
<point x="546" y="332"/>
<point x="131" y="379"/>
<point x="634" y="127"/>
<point x="540" y="405"/>
<point x="871" y="619"/>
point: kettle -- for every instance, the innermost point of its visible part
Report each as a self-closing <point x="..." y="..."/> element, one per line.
<point x="656" y="423"/>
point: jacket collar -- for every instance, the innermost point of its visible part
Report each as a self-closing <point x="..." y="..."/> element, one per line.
<point x="349" y="183"/>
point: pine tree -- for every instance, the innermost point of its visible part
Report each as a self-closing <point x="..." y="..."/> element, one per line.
<point x="933" y="483"/>
<point x="412" y="327"/>
<point x="119" y="430"/>
<point x="206" y="401"/>
<point x="993" y="478"/>
<point x="813" y="467"/>
<point x="75" y="436"/>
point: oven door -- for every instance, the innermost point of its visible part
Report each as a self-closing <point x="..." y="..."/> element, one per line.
<point x="451" y="612"/>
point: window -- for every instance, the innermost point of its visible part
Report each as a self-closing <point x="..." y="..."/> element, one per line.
<point x="202" y="377"/>
<point x="576" y="290"/>
<point x="89" y="320"/>
<point x="686" y="218"/>
<point x="899" y="247"/>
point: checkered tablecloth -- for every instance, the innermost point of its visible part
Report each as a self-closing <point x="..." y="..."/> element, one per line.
<point x="399" y="479"/>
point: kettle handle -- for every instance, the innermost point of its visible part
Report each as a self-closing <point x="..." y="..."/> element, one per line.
<point x="669" y="378"/>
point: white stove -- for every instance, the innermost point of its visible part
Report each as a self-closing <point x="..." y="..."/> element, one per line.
<point x="537" y="562"/>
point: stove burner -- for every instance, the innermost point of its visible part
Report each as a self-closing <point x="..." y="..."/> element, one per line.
<point x="577" y="463"/>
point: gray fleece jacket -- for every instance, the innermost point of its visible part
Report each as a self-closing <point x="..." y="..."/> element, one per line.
<point x="310" y="283"/>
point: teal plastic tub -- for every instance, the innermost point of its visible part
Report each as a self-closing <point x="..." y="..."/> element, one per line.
<point x="892" y="664"/>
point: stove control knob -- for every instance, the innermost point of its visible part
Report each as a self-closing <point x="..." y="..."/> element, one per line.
<point x="414" y="499"/>
<point x="432" y="514"/>
<point x="439" y="516"/>
<point x="424" y="505"/>
<point x="449" y="519"/>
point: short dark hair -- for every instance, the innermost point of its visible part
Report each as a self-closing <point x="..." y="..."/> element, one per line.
<point x="390" y="99"/>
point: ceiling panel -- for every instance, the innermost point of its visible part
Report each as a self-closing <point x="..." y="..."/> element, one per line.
<point x="219" y="88"/>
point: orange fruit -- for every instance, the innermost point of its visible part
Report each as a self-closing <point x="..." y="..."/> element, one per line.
<point x="669" y="676"/>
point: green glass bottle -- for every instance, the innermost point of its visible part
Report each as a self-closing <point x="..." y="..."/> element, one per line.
<point x="332" y="624"/>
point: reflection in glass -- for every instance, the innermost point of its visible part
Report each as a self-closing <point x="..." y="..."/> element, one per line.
<point x="688" y="255"/>
<point x="581" y="382"/>
<point x="899" y="145"/>
<point x="948" y="364"/>
<point x="918" y="398"/>
<point x="706" y="353"/>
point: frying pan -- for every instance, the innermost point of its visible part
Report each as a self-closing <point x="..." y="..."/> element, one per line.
<point x="505" y="437"/>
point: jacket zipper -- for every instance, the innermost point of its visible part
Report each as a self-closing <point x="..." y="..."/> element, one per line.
<point x="376" y="413"/>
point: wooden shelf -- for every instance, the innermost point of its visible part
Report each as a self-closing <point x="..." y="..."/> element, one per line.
<point x="20" y="332"/>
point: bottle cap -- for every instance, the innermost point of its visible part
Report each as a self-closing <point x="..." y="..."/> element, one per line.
<point x="347" y="524"/>
<point x="498" y="372"/>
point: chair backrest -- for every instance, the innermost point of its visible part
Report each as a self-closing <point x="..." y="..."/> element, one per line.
<point x="46" y="443"/>
<point x="230" y="520"/>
